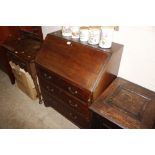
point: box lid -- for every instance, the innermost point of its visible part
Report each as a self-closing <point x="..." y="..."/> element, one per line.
<point x="127" y="105"/>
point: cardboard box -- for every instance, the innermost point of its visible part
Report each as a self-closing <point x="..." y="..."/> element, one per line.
<point x="24" y="81"/>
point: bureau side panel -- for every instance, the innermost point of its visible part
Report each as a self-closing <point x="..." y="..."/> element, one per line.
<point x="110" y="72"/>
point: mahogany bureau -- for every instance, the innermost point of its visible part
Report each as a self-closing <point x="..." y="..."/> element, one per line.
<point x="73" y="74"/>
<point x="124" y="105"/>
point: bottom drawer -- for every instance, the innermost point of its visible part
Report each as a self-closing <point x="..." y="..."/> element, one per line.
<point x="60" y="106"/>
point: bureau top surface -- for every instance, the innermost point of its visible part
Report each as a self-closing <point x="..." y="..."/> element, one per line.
<point x="77" y="62"/>
<point x="127" y="104"/>
<point x="24" y="48"/>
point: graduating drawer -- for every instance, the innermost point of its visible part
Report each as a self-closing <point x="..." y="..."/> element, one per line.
<point x="70" y="101"/>
<point x="60" y="106"/>
<point x="64" y="84"/>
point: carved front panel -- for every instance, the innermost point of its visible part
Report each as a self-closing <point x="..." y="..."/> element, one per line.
<point x="128" y="101"/>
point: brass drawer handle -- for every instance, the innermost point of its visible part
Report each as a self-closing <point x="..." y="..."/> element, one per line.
<point x="49" y="89"/>
<point x="47" y="76"/>
<point x="72" y="91"/>
<point x="73" y="105"/>
<point x="74" y="116"/>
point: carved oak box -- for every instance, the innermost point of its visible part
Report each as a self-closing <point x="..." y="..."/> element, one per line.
<point x="124" y="105"/>
<point x="73" y="74"/>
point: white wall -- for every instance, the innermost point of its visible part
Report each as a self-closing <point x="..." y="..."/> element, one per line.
<point x="49" y="29"/>
<point x="138" y="60"/>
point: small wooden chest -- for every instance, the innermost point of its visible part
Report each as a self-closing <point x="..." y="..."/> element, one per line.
<point x="124" y="105"/>
<point x="73" y="74"/>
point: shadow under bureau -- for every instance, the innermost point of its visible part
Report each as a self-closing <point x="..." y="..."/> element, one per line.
<point x="73" y="74"/>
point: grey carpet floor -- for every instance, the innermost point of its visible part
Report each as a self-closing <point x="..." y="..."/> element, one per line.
<point x="18" y="111"/>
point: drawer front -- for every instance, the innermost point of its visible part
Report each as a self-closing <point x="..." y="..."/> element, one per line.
<point x="75" y="91"/>
<point x="70" y="101"/>
<point x="60" y="106"/>
<point x="17" y="61"/>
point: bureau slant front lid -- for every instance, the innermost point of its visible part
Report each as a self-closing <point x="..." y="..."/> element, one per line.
<point x="78" y="63"/>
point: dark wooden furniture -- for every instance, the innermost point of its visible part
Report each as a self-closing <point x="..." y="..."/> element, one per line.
<point x="35" y="31"/>
<point x="4" y="65"/>
<point x="73" y="74"/>
<point x="6" y="33"/>
<point x="124" y="105"/>
<point x="12" y="34"/>
<point x="23" y="49"/>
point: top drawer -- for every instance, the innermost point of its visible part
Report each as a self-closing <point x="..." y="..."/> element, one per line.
<point x="64" y="84"/>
